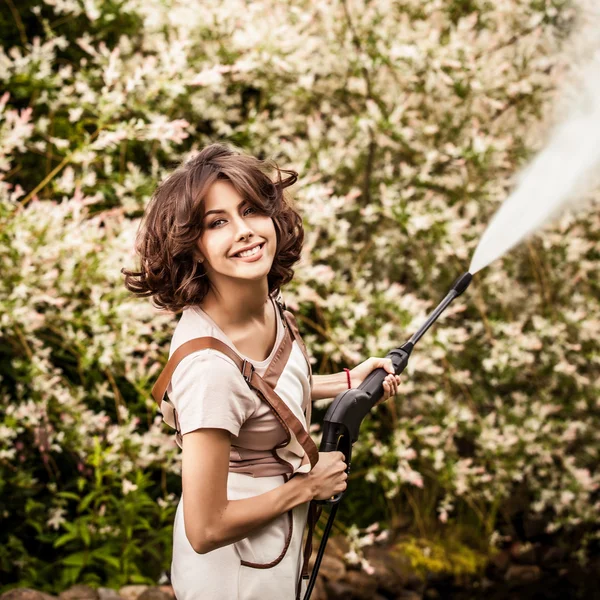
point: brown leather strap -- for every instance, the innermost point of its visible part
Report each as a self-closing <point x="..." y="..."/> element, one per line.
<point x="291" y="321"/>
<point x="160" y="387"/>
<point x="314" y="512"/>
<point x="286" y="417"/>
<point x="290" y="420"/>
<point x="293" y="327"/>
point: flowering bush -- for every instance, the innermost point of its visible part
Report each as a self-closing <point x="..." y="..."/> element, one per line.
<point x="406" y="122"/>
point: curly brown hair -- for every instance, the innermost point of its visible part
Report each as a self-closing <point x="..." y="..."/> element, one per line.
<point x="173" y="222"/>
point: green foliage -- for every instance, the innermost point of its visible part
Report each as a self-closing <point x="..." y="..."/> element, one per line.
<point x="440" y="556"/>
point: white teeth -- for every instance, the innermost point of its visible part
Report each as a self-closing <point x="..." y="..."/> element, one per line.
<point x="249" y="252"/>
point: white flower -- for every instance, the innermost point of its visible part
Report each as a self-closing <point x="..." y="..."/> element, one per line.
<point x="128" y="487"/>
<point x="56" y="517"/>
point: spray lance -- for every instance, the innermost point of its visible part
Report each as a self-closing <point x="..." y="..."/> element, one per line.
<point x="345" y="414"/>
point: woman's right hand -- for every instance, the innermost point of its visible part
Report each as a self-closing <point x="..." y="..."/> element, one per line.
<point x="328" y="477"/>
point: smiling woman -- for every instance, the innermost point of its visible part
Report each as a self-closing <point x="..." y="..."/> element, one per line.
<point x="217" y="241"/>
<point x="211" y="205"/>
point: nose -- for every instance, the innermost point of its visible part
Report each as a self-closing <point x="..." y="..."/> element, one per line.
<point x="242" y="229"/>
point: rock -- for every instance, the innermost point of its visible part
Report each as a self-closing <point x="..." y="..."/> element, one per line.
<point x="392" y="570"/>
<point x="525" y="554"/>
<point x="501" y="560"/>
<point x="79" y="592"/>
<point x="336" y="546"/>
<point x="553" y="556"/>
<point x="364" y="585"/>
<point x="409" y="595"/>
<point x="25" y="594"/>
<point x="415" y="583"/>
<point x="132" y="592"/>
<point x="522" y="574"/>
<point x="319" y="592"/>
<point x="534" y="526"/>
<point x="154" y="593"/>
<point x="339" y="590"/>
<point x="108" y="594"/>
<point x="332" y="568"/>
<point x="168" y="589"/>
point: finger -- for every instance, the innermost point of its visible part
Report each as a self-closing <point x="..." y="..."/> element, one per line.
<point x="384" y="363"/>
<point x="386" y="390"/>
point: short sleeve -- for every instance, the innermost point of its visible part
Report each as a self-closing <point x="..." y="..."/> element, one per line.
<point x="209" y="391"/>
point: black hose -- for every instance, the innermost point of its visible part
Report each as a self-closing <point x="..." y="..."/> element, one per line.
<point x="315" y="570"/>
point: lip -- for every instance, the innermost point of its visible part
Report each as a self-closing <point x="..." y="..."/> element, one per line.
<point x="254" y="257"/>
<point x="247" y="248"/>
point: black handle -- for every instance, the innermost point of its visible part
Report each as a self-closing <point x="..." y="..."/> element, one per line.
<point x="337" y="439"/>
<point x="344" y="416"/>
<point x="373" y="384"/>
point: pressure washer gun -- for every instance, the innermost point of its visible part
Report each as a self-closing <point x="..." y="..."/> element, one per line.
<point x="345" y="414"/>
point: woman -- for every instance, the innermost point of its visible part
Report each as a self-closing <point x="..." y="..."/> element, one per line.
<point x="217" y="242"/>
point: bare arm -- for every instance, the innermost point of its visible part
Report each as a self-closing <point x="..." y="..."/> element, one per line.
<point x="328" y="386"/>
<point x="211" y="520"/>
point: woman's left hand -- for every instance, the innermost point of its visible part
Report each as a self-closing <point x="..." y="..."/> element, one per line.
<point x="390" y="383"/>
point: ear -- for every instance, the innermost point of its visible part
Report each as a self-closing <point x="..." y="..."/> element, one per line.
<point x="197" y="254"/>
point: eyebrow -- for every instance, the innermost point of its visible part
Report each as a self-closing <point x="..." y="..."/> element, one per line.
<point x="220" y="210"/>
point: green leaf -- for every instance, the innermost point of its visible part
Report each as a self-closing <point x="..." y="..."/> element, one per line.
<point x="102" y="555"/>
<point x="137" y="578"/>
<point x="77" y="559"/>
<point x="85" y="533"/>
<point x="86" y="501"/>
<point x="143" y="524"/>
<point x="70" y="575"/>
<point x="63" y="539"/>
<point x="69" y="495"/>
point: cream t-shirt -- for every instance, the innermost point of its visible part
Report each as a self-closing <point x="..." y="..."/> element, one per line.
<point x="208" y="390"/>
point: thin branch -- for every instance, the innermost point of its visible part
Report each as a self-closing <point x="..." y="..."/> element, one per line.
<point x="18" y="21"/>
<point x="372" y="145"/>
<point x="119" y="401"/>
<point x="65" y="161"/>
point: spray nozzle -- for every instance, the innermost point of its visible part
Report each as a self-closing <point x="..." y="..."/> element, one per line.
<point x="462" y="283"/>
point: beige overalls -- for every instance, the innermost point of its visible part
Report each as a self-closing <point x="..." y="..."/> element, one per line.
<point x="268" y="415"/>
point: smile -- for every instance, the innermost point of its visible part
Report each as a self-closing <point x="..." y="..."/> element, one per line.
<point x="251" y="255"/>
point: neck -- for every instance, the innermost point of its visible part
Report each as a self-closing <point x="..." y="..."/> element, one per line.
<point x="239" y="305"/>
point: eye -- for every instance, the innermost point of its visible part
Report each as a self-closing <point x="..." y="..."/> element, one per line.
<point x="214" y="223"/>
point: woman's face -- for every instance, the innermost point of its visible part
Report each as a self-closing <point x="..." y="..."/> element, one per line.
<point x="237" y="225"/>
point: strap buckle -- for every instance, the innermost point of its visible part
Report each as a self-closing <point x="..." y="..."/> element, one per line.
<point x="247" y="374"/>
